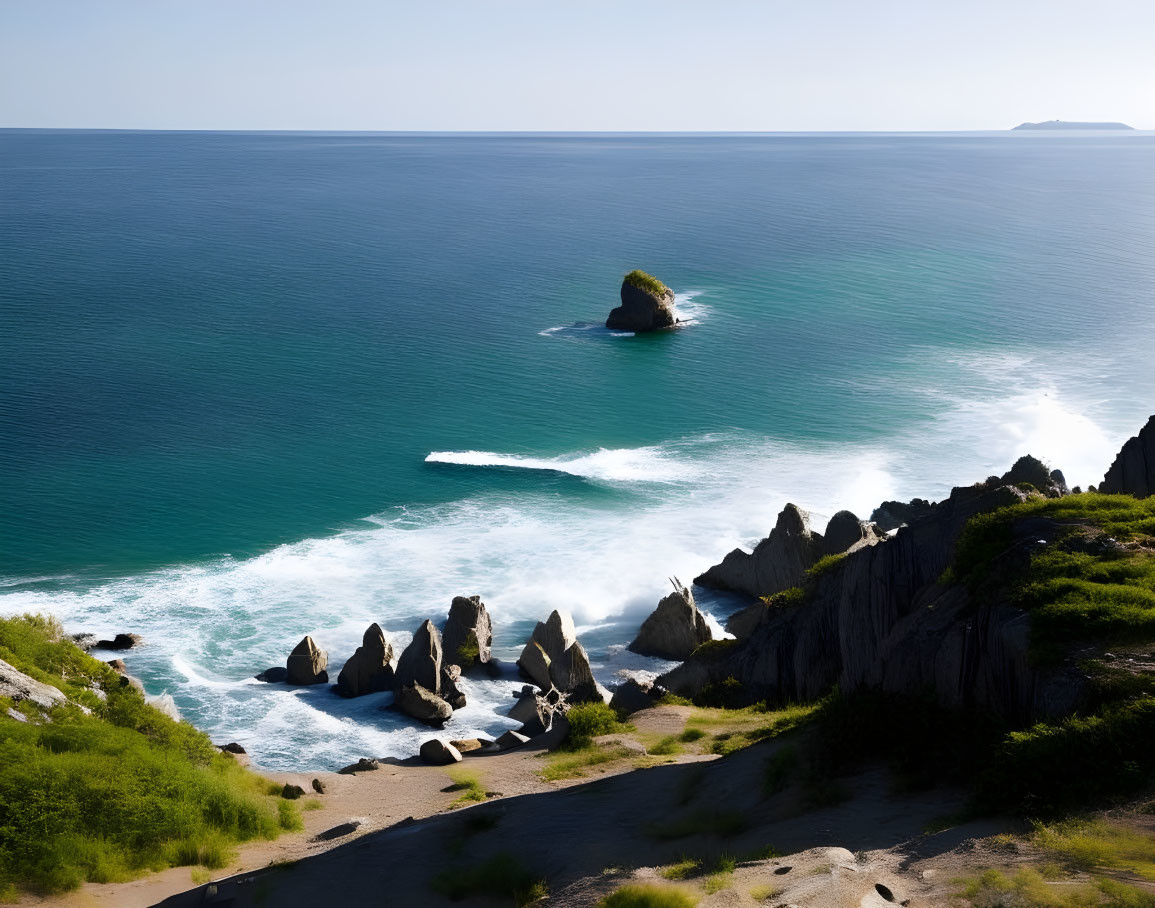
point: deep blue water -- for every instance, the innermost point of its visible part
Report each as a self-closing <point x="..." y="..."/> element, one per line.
<point x="225" y="359"/>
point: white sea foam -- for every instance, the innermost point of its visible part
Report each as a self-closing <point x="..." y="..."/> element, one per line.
<point x="688" y="311"/>
<point x="682" y="505"/>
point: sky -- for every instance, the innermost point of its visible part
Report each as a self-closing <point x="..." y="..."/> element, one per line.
<point x="574" y="65"/>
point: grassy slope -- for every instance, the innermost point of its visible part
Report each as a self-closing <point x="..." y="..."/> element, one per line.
<point x="646" y="282"/>
<point x="107" y="796"/>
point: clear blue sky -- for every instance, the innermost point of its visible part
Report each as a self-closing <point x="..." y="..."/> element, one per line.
<point x="561" y="65"/>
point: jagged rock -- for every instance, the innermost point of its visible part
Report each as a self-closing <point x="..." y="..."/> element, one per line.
<point x="1133" y="471"/>
<point x="468" y="634"/>
<point x="1059" y="481"/>
<point x="643" y="308"/>
<point x="845" y="533"/>
<point x="127" y="680"/>
<point x="306" y="664"/>
<point x="534" y="664"/>
<point x="423" y="705"/>
<point x="232" y="748"/>
<point x="536" y="712"/>
<point x="890" y="515"/>
<point x="450" y="691"/>
<point x="511" y="739"/>
<point x="369" y="669"/>
<point x="743" y="622"/>
<point x="879" y="620"/>
<point x="365" y="764"/>
<point x="674" y="629"/>
<point x="777" y="563"/>
<point x="164" y="703"/>
<point x="274" y="675"/>
<point x="121" y="641"/>
<point x="85" y="641"/>
<point x="16" y="686"/>
<point x="318" y="786"/>
<point x="632" y="696"/>
<point x="438" y="753"/>
<point x="569" y="666"/>
<point x="465" y="745"/>
<point x="420" y="663"/>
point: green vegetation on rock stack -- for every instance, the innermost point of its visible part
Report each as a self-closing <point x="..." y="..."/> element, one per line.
<point x="122" y="790"/>
<point x="646" y="282"/>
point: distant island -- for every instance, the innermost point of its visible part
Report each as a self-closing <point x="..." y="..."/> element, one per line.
<point x="1067" y="124"/>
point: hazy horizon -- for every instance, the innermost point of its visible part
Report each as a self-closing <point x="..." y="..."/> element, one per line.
<point x="519" y="66"/>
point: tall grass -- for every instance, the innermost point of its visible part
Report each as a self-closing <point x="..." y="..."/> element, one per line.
<point x="646" y="282"/>
<point x="107" y="796"/>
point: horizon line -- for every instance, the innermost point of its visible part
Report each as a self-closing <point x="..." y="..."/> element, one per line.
<point x="563" y="132"/>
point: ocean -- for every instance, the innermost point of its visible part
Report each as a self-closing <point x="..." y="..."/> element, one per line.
<point x="254" y="386"/>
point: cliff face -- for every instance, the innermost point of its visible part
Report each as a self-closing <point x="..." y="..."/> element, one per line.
<point x="879" y="619"/>
<point x="1133" y="472"/>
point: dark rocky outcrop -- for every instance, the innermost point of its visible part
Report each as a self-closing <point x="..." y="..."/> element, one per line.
<point x="1030" y="472"/>
<point x="511" y="739"/>
<point x="438" y="753"/>
<point x="632" y="696"/>
<point x="1133" y="472"/>
<point x="568" y="665"/>
<point x="845" y="533"/>
<point x="318" y="786"/>
<point x="777" y="563"/>
<point x="450" y="692"/>
<point x="890" y="515"/>
<point x="369" y="670"/>
<point x="647" y="305"/>
<point x="420" y="663"/>
<point x="365" y="764"/>
<point x="276" y="674"/>
<point x="291" y="792"/>
<point x="232" y="748"/>
<point x="468" y="636"/>
<point x="423" y="705"/>
<point x="306" y="664"/>
<point x="880" y="620"/>
<point x="121" y="641"/>
<point x="674" y="629"/>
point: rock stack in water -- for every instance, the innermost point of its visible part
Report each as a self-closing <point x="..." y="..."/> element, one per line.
<point x="647" y="305"/>
<point x="307" y="663"/>
<point x="554" y="658"/>
<point x="468" y="637"/>
<point x="424" y="686"/>
<point x="674" y="629"/>
<point x="369" y="670"/>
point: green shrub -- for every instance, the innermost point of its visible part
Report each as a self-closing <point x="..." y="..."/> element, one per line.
<point x="823" y="565"/>
<point x="648" y="895"/>
<point x="690" y="735"/>
<point x="587" y="721"/>
<point x="502" y="876"/>
<point x="646" y="282"/>
<point x="110" y="795"/>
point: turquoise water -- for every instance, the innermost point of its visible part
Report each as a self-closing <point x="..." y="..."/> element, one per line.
<point x="256" y="386"/>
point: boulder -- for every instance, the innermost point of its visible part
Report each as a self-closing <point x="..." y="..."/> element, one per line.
<point x="232" y="748"/>
<point x="16" y="686"/>
<point x="846" y="533"/>
<point x="121" y="641"/>
<point x="369" y="670"/>
<point x="632" y="696"/>
<point x="423" y="705"/>
<point x="534" y="664"/>
<point x="511" y="739"/>
<point x="365" y="764"/>
<point x="450" y="691"/>
<point x="674" y="629"/>
<point x="465" y="745"/>
<point x="777" y="563"/>
<point x="439" y="753"/>
<point x="1030" y="471"/>
<point x="292" y="792"/>
<point x="420" y="663"/>
<point x="647" y="305"/>
<point x="468" y="637"/>
<point x="277" y="674"/>
<point x="306" y="664"/>
<point x="1133" y="471"/>
<point x="569" y="666"/>
<point x="318" y="786"/>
